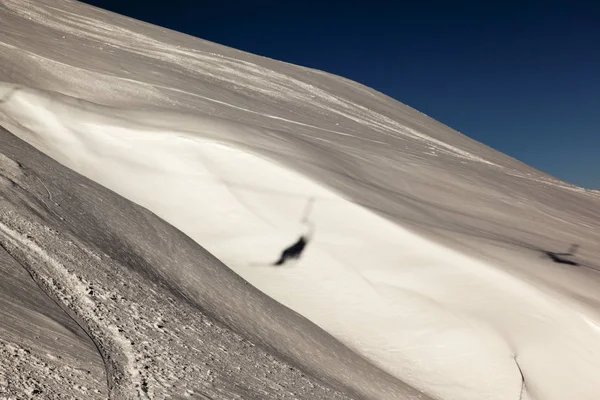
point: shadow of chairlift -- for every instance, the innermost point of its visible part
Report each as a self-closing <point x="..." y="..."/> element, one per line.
<point x="564" y="258"/>
<point x="294" y="251"/>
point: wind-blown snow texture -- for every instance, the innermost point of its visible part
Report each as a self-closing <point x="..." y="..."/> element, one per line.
<point x="429" y="261"/>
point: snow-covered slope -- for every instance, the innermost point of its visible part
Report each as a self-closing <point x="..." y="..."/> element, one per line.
<point x="432" y="254"/>
<point x="147" y="296"/>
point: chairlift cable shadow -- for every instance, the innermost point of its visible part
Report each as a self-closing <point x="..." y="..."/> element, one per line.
<point x="308" y="210"/>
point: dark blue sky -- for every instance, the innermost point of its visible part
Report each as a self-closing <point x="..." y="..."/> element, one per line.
<point x="522" y="77"/>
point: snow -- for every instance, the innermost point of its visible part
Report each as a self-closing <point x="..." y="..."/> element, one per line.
<point x="428" y="257"/>
<point x="156" y="332"/>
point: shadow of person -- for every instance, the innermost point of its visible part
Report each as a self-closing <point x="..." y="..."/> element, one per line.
<point x="296" y="249"/>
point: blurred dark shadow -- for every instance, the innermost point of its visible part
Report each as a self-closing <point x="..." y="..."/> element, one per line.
<point x="295" y="250"/>
<point x="564" y="258"/>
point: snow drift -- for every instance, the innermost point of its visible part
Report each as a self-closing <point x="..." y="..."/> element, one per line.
<point x="430" y="257"/>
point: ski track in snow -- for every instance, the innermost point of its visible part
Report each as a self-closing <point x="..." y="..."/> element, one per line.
<point x="60" y="282"/>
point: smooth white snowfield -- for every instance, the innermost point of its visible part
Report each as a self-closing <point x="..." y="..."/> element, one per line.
<point x="428" y="257"/>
